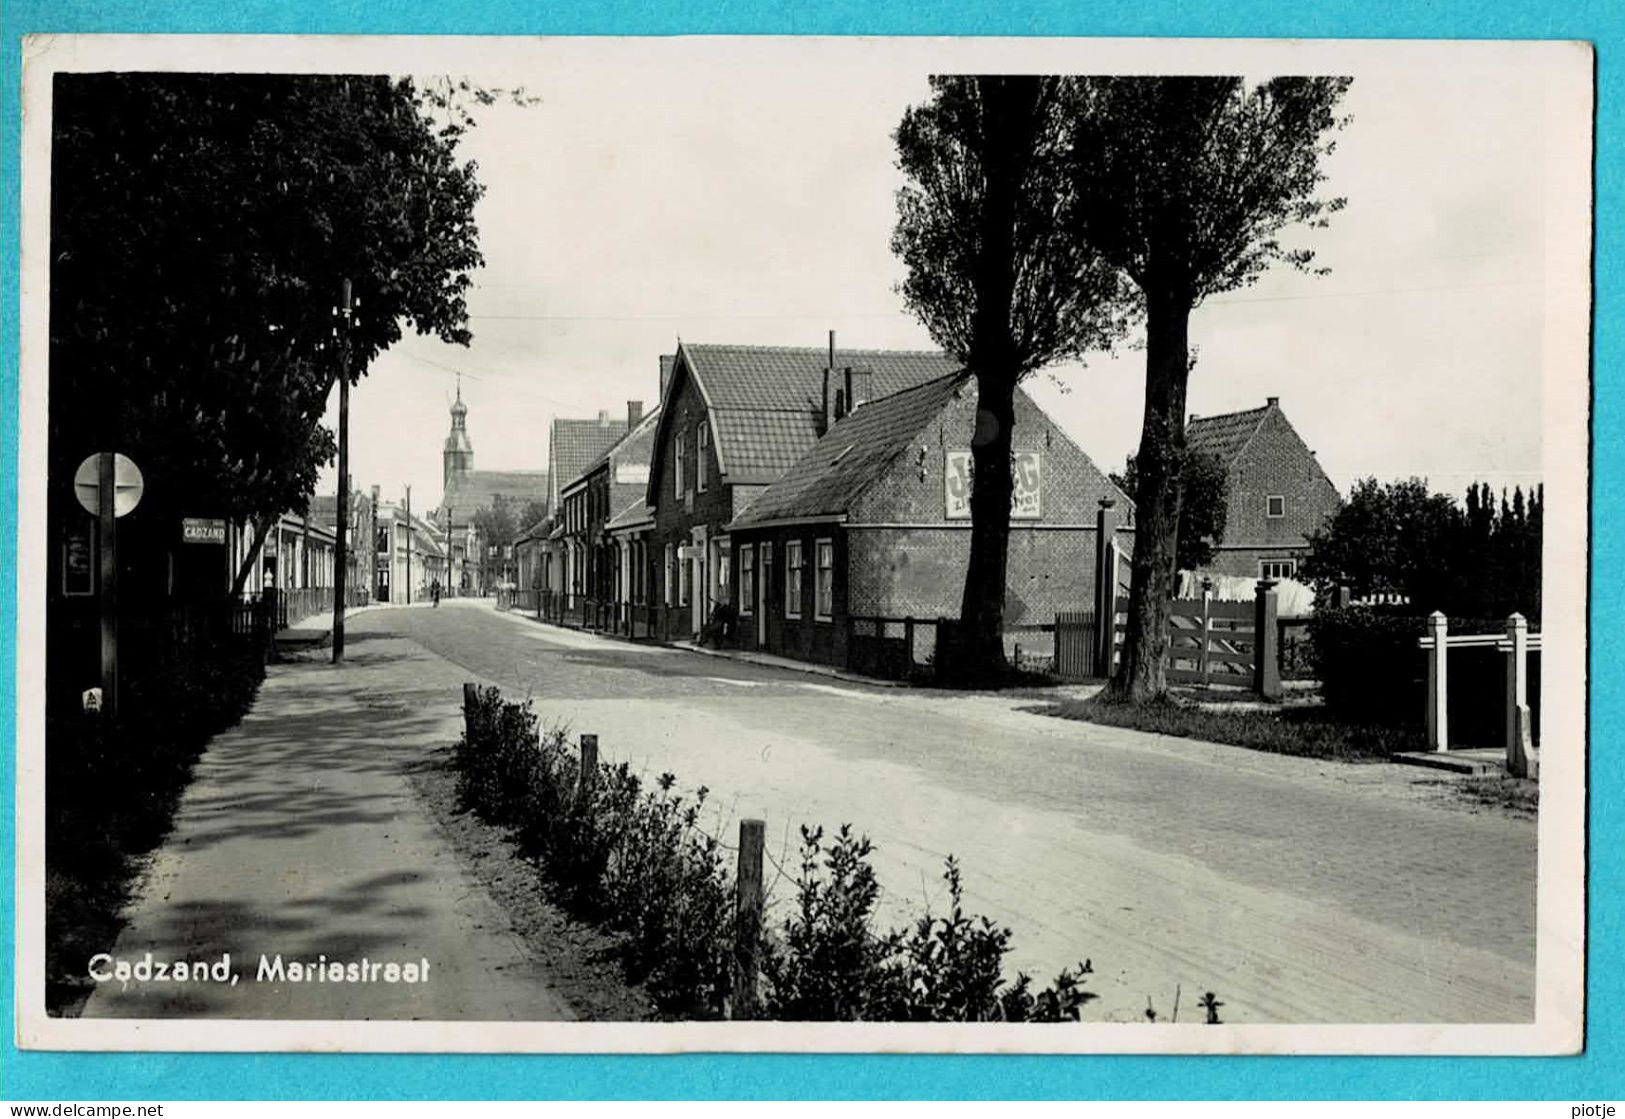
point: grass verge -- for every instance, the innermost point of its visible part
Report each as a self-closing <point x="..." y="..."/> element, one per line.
<point x="1307" y="732"/>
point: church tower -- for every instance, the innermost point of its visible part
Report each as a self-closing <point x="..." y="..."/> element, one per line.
<point x="459" y="453"/>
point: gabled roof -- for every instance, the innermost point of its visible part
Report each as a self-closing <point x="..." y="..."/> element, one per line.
<point x="829" y="477"/>
<point x="791" y="378"/>
<point x="574" y="445"/>
<point x="766" y="402"/>
<point x="1225" y="436"/>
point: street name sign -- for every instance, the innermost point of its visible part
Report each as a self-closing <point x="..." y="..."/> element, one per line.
<point x="203" y="530"/>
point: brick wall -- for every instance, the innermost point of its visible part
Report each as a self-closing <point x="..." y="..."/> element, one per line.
<point x="1275" y="462"/>
<point x="911" y="491"/>
<point x="675" y="518"/>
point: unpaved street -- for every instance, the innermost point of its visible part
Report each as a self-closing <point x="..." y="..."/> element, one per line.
<point x="1300" y="891"/>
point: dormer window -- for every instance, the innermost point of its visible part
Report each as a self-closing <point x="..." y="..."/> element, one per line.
<point x="1275" y="505"/>
<point x="702" y="443"/>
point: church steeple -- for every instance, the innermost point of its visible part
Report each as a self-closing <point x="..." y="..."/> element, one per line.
<point x="459" y="453"/>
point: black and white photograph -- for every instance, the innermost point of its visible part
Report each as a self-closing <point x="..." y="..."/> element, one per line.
<point x="774" y="544"/>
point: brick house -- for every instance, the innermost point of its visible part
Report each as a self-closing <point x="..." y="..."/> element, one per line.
<point x="1277" y="494"/>
<point x="871" y="526"/>
<point x="572" y="447"/>
<point x="732" y="420"/>
<point x="616" y="480"/>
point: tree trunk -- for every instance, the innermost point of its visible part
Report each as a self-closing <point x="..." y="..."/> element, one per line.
<point x="1159" y="464"/>
<point x="1010" y="108"/>
<point x="260" y="531"/>
<point x="981" y="610"/>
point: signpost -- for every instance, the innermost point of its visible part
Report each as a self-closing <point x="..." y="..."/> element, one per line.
<point x="109" y="486"/>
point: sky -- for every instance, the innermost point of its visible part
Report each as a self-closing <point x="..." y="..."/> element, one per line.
<point x="653" y="196"/>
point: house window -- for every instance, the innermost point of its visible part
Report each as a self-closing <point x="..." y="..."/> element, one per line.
<point x="678" y="444"/>
<point x="824" y="599"/>
<point x="792" y="579"/>
<point x="668" y="575"/>
<point x="747" y="578"/>
<point x="685" y="579"/>
<point x="1277" y="569"/>
<point x="1275" y="505"/>
<point x="702" y="443"/>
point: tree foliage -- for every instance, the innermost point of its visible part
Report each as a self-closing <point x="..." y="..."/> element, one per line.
<point x="1480" y="559"/>
<point x="1203" y="508"/>
<point x="997" y="276"/>
<point x="1187" y="186"/>
<point x="201" y="227"/>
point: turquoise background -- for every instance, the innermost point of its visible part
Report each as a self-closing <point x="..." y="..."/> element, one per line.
<point x="1596" y="1075"/>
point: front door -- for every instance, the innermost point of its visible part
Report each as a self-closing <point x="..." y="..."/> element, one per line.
<point x="763" y="595"/>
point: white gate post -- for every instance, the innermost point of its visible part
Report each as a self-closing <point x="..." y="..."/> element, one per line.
<point x="1438" y="682"/>
<point x="1517" y="698"/>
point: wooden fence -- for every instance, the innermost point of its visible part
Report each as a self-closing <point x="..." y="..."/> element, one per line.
<point x="1210" y="642"/>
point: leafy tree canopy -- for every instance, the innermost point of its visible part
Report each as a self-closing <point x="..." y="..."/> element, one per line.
<point x="201" y="227"/>
<point x="1187" y="185"/>
<point x="998" y="278"/>
<point x="1481" y="559"/>
<point x="1203" y="508"/>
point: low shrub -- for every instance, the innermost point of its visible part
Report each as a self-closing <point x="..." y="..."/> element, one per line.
<point x="638" y="860"/>
<point x="1369" y="665"/>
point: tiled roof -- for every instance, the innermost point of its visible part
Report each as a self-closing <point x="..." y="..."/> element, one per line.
<point x="636" y="513"/>
<point x="760" y="446"/>
<point x="478" y="489"/>
<point x="830" y="476"/>
<point x="1225" y="435"/>
<point x="574" y="445"/>
<point x="766" y="402"/>
<point x="791" y="378"/>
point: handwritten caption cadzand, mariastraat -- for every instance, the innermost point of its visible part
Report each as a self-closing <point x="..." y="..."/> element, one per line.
<point x="107" y="968"/>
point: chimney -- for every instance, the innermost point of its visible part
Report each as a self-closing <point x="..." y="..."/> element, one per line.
<point x="834" y="401"/>
<point x="667" y="361"/>
<point x="634" y="413"/>
<point x="603" y="417"/>
<point x="834" y="405"/>
<point x="857" y="387"/>
<point x="1272" y="401"/>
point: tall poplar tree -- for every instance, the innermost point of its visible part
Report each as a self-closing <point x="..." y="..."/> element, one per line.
<point x="1186" y="185"/>
<point x="999" y="279"/>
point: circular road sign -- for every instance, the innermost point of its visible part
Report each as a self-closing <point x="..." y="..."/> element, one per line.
<point x="127" y="485"/>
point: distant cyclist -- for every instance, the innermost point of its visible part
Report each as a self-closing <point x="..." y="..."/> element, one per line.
<point x="434" y="590"/>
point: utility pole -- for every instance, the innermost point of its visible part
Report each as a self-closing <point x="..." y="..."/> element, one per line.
<point x="341" y="517"/>
<point x="408" y="545"/>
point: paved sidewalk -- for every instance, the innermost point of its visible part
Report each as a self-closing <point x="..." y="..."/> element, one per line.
<point x="300" y="836"/>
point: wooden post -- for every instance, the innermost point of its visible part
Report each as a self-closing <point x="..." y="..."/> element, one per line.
<point x="589" y="765"/>
<point x="1266" y="642"/>
<point x="107" y="570"/>
<point x="1105" y="587"/>
<point x="1438" y="682"/>
<point x="470" y="694"/>
<point x="1207" y="628"/>
<point x="1516" y="647"/>
<point x="747" y="918"/>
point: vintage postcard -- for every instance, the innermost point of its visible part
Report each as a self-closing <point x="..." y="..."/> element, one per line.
<point x="774" y="544"/>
